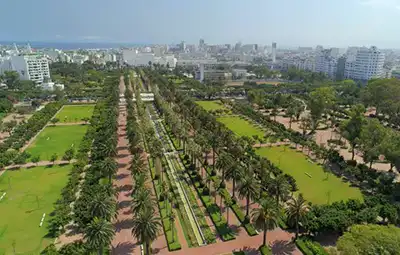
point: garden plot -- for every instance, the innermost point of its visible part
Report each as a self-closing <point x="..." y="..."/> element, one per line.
<point x="75" y="113"/>
<point x="56" y="139"/>
<point x="29" y="193"/>
<point x="241" y="127"/>
<point x="317" y="185"/>
<point x="211" y="105"/>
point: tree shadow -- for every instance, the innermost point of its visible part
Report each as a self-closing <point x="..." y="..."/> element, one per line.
<point x="123" y="188"/>
<point x="123" y="224"/>
<point x="123" y="248"/>
<point x="121" y="148"/>
<point x="249" y="250"/>
<point x="282" y="247"/>
<point x="123" y="204"/>
<point x="123" y="155"/>
<point x="72" y="230"/>
<point x="121" y="176"/>
<point x="122" y="165"/>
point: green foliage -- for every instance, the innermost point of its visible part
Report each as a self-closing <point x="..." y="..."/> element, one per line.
<point x="265" y="250"/>
<point x="370" y="239"/>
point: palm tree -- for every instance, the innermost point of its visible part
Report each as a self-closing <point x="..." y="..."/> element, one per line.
<point x="296" y="211"/>
<point x="102" y="206"/>
<point x="98" y="234"/>
<point x="137" y="164"/>
<point x="280" y="188"/>
<point x="248" y="188"/>
<point x="221" y="194"/>
<point x="224" y="162"/>
<point x="141" y="201"/>
<point x="266" y="216"/>
<point x="109" y="167"/>
<point x="145" y="228"/>
<point x="234" y="173"/>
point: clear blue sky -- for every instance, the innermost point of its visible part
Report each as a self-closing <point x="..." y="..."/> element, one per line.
<point x="288" y="22"/>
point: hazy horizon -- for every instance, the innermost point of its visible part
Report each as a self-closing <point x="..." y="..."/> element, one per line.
<point x="290" y="23"/>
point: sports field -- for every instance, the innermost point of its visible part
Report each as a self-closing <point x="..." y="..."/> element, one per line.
<point x="75" y="113"/>
<point x="211" y="105"/>
<point x="56" y="139"/>
<point x="29" y="194"/>
<point x="319" y="187"/>
<point x="241" y="127"/>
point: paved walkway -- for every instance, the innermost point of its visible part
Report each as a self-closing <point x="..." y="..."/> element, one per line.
<point x="123" y="242"/>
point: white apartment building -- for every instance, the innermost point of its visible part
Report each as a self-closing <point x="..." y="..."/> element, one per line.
<point x="367" y="64"/>
<point x="31" y="67"/>
<point x="134" y="58"/>
<point x="325" y="63"/>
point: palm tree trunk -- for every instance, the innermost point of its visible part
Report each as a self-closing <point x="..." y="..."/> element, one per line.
<point x="290" y="122"/>
<point x="265" y="235"/>
<point x="148" y="248"/>
<point x="227" y="215"/>
<point x="247" y="205"/>
<point x="352" y="152"/>
<point x="220" y="207"/>
<point x="100" y="251"/>
<point x="213" y="159"/>
<point x="233" y="188"/>
<point x="297" y="227"/>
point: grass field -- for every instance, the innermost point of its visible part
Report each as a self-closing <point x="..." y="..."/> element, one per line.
<point x="211" y="105"/>
<point x="2" y="115"/>
<point x="240" y="126"/>
<point x="30" y="193"/>
<point x="56" y="139"/>
<point x="321" y="188"/>
<point x="75" y="113"/>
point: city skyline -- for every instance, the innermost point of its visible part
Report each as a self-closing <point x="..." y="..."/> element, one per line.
<point x="289" y="23"/>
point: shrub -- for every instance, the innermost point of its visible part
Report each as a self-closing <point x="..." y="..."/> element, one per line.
<point x="351" y="162"/>
<point x="265" y="250"/>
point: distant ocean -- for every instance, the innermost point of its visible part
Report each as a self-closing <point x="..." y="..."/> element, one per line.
<point x="73" y="45"/>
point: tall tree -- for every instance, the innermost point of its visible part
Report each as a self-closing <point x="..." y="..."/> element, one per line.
<point x="141" y="201"/>
<point x="145" y="228"/>
<point x="108" y="167"/>
<point x="248" y="188"/>
<point x="98" y="234"/>
<point x="266" y="216"/>
<point x="351" y="128"/>
<point x="279" y="188"/>
<point x="371" y="138"/>
<point x="296" y="211"/>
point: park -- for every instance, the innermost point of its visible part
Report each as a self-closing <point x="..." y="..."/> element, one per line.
<point x="75" y="113"/>
<point x="29" y="193"/>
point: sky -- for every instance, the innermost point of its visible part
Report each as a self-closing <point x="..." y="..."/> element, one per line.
<point x="335" y="23"/>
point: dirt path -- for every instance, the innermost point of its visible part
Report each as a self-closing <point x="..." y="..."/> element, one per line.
<point x="123" y="242"/>
<point x="41" y="163"/>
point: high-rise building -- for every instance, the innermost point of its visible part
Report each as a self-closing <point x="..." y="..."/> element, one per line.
<point x="183" y="46"/>
<point x="366" y="64"/>
<point x="201" y="44"/>
<point x="325" y="63"/>
<point x="273" y="52"/>
<point x="31" y="67"/>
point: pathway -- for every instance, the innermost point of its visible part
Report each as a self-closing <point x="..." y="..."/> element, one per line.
<point x="123" y="242"/>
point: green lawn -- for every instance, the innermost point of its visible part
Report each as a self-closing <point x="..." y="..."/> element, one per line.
<point x="321" y="188"/>
<point x="211" y="105"/>
<point x="241" y="127"/>
<point x="30" y="193"/>
<point x="56" y="139"/>
<point x="75" y="113"/>
<point x="2" y="115"/>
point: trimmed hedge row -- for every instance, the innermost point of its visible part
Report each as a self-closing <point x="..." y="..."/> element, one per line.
<point x="213" y="210"/>
<point x="172" y="241"/>
<point x="309" y="247"/>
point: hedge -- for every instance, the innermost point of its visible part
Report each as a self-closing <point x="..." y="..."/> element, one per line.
<point x="309" y="247"/>
<point x="265" y="250"/>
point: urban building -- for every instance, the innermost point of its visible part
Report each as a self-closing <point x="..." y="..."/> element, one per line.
<point x="325" y="63"/>
<point x="31" y="67"/>
<point x="273" y="52"/>
<point x="367" y="64"/>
